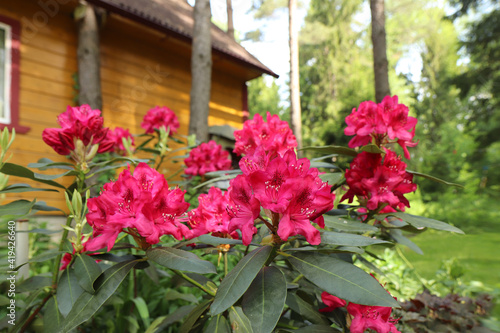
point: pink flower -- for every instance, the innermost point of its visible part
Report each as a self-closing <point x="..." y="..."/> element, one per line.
<point x="378" y="181"/>
<point x="207" y="157"/>
<point x="273" y="136"/>
<point x="364" y="317"/>
<point x="140" y="204"/>
<point x="116" y="137"/>
<point x="160" y="116"/>
<point x="290" y="192"/>
<point x="78" y="123"/>
<point x="382" y="123"/>
<point x="212" y="215"/>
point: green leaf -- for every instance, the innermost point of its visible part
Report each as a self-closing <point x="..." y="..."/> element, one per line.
<point x="17" y="208"/>
<point x="52" y="318"/>
<point x="34" y="283"/>
<point x="46" y="163"/>
<point x="68" y="291"/>
<point x="142" y="308"/>
<point x="264" y="300"/>
<point x="20" y="171"/>
<point x="218" y="324"/>
<point x="345" y="239"/>
<point x="215" y="180"/>
<point x="423" y="175"/>
<point x="87" y="271"/>
<point x="88" y="304"/>
<point x="317" y="164"/>
<point x="397" y="235"/>
<point x="422" y="222"/>
<point x="371" y="148"/>
<point x="42" y="176"/>
<point x="234" y="285"/>
<point x="239" y="322"/>
<point x="305" y="309"/>
<point x="316" y="329"/>
<point x="341" y="279"/>
<point x="42" y="206"/>
<point x="342" y="224"/>
<point x="193" y="316"/>
<point x="180" y="260"/>
<point x="332" y="150"/>
<point x="19" y="188"/>
<point x="212" y="240"/>
<point x="174" y="294"/>
<point x="164" y="321"/>
<point x="332" y="178"/>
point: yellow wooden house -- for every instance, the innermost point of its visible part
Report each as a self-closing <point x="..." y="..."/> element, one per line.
<point x="145" y="54"/>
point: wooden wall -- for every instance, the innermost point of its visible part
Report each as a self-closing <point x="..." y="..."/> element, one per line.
<point x="140" y="69"/>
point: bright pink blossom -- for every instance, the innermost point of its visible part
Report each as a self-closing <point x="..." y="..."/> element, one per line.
<point x="212" y="215"/>
<point x="78" y="123"/>
<point x="378" y="181"/>
<point x="160" y="116"/>
<point x="273" y="136"/>
<point x="207" y="157"/>
<point x="364" y="317"/>
<point x="382" y="123"/>
<point x="141" y="203"/>
<point x="287" y="188"/>
<point x="116" y="136"/>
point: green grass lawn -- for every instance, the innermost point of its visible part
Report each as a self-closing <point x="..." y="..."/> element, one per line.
<point x="479" y="253"/>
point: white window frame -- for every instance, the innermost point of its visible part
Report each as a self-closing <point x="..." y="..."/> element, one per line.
<point x="6" y="118"/>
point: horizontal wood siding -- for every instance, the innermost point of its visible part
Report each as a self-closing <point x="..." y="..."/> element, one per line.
<point x="140" y="69"/>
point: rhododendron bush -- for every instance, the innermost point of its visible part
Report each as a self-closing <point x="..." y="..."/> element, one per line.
<point x="274" y="249"/>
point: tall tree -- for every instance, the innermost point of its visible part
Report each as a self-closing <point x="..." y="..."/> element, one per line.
<point x="89" y="76"/>
<point x="295" y="111"/>
<point x="380" y="63"/>
<point x="230" y="25"/>
<point x="201" y="71"/>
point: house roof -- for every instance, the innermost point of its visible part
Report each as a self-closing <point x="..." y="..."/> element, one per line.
<point x="175" y="18"/>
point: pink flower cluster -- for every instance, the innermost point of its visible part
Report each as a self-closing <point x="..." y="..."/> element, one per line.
<point x="381" y="123"/>
<point x="379" y="181"/>
<point x="78" y="123"/>
<point x="160" y="116"/>
<point x="291" y="193"/>
<point x="273" y="136"/>
<point x="207" y="157"/>
<point x="363" y="317"/>
<point x="116" y="137"/>
<point x="211" y="216"/>
<point x="140" y="204"/>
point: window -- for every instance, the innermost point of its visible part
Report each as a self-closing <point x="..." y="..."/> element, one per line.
<point x="9" y="74"/>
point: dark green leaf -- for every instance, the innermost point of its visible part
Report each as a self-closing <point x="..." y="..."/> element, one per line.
<point x="42" y="176"/>
<point x="332" y="178"/>
<point x="397" y="235"/>
<point x="194" y="315"/>
<point x="434" y="179"/>
<point x="316" y="329"/>
<point x="234" y="285"/>
<point x="212" y="240"/>
<point x="264" y="300"/>
<point x="422" y="222"/>
<point x="223" y="173"/>
<point x="215" y="180"/>
<point x="239" y="322"/>
<point x="34" y="283"/>
<point x="20" y="171"/>
<point x="341" y="279"/>
<point x="371" y="148"/>
<point x="305" y="309"/>
<point x="342" y="224"/>
<point x="88" y="304"/>
<point x="42" y="206"/>
<point x="142" y="308"/>
<point x="345" y="239"/>
<point x="87" y="271"/>
<point x="19" y="188"/>
<point x="327" y="165"/>
<point x="52" y="318"/>
<point x="17" y="208"/>
<point x="46" y="256"/>
<point x="174" y="294"/>
<point x="46" y="163"/>
<point x="218" y="324"/>
<point x="68" y="291"/>
<point x="332" y="150"/>
<point x="162" y="322"/>
<point x="180" y="260"/>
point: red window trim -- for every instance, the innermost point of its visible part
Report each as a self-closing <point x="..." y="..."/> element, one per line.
<point x="14" y="75"/>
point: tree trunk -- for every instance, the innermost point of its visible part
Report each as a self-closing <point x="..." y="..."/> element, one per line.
<point x="201" y="71"/>
<point x="380" y="64"/>
<point x="295" y="112"/>
<point x="89" y="77"/>
<point x="230" y="26"/>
